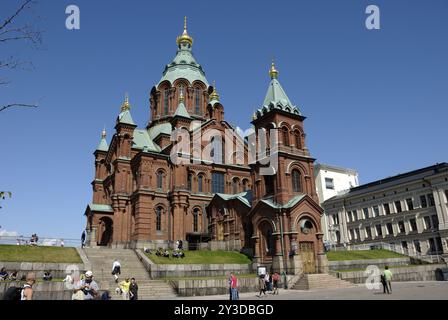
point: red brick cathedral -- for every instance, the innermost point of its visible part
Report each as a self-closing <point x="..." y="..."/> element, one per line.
<point x="143" y="196"/>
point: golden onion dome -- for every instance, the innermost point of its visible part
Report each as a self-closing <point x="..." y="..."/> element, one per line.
<point x="273" y="73"/>
<point x="126" y="105"/>
<point x="214" y="95"/>
<point x="184" y="37"/>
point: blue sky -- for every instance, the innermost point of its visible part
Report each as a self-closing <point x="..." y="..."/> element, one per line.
<point x="376" y="101"/>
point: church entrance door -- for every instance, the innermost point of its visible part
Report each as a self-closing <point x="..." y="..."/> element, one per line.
<point x="106" y="231"/>
<point x="306" y="250"/>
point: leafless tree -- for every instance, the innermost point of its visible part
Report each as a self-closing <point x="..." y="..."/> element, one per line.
<point x="11" y="29"/>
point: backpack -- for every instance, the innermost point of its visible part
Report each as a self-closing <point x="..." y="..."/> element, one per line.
<point x="13" y="293"/>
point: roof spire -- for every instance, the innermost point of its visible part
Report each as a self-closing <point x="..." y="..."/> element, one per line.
<point x="126" y="105"/>
<point x="181" y="95"/>
<point x="184" y="37"/>
<point x="214" y="95"/>
<point x="103" y="133"/>
<point x="273" y="73"/>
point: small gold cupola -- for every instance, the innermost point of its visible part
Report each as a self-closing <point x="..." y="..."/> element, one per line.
<point x="184" y="37"/>
<point x="214" y="95"/>
<point x="273" y="73"/>
<point x="126" y="105"/>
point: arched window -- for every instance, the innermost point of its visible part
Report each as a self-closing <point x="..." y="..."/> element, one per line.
<point x="160" y="179"/>
<point x="245" y="185"/>
<point x="189" y="179"/>
<point x="200" y="183"/>
<point x="197" y="101"/>
<point x="166" y="101"/>
<point x="285" y="135"/>
<point x="296" y="181"/>
<point x="298" y="141"/>
<point x="235" y="188"/>
<point x="159" y="219"/>
<point x="195" y="220"/>
<point x="269" y="184"/>
<point x="216" y="152"/>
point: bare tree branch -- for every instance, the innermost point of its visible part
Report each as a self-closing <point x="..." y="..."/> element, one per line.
<point x="11" y="18"/>
<point x="2" y="108"/>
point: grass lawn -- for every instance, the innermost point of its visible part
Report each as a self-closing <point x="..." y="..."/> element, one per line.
<point x="15" y="253"/>
<point x="240" y="276"/>
<point x="203" y="257"/>
<point x="362" y="255"/>
<point x="381" y="268"/>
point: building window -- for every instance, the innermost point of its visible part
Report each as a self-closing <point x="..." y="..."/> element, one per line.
<point x="200" y="183"/>
<point x="285" y="135"/>
<point x="401" y="226"/>
<point x="336" y="219"/>
<point x="431" y="200"/>
<point x="349" y="216"/>
<point x="413" y="224"/>
<point x="423" y="201"/>
<point x="166" y="102"/>
<point x="217" y="182"/>
<point x="329" y="184"/>
<point x="216" y="152"/>
<point x="298" y="140"/>
<point x="398" y="206"/>
<point x="160" y="179"/>
<point x="235" y="182"/>
<point x="386" y="208"/>
<point x="376" y="211"/>
<point x="159" y="219"/>
<point x="352" y="234"/>
<point x="427" y="222"/>
<point x="390" y="229"/>
<point x="296" y="181"/>
<point x="446" y="195"/>
<point x="432" y="245"/>
<point x="269" y="184"/>
<point x="189" y="181"/>
<point x="365" y="213"/>
<point x="417" y="247"/>
<point x="435" y="222"/>
<point x="245" y="185"/>
<point x="358" y="234"/>
<point x="410" y="204"/>
<point x="379" y="231"/>
<point x="197" y="101"/>
<point x="195" y="220"/>
<point x="404" y="245"/>
<point x="354" y="215"/>
<point x="368" y="232"/>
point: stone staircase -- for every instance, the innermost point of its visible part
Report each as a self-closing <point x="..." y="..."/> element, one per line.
<point x="101" y="265"/>
<point x="320" y="281"/>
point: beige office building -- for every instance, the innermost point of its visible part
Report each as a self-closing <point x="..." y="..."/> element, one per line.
<point x="408" y="212"/>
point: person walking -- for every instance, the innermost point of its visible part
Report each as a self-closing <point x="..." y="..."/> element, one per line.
<point x="268" y="283"/>
<point x="83" y="239"/>
<point x="387" y="280"/>
<point x="133" y="290"/>
<point x="261" y="285"/>
<point x="124" y="286"/>
<point x="116" y="269"/>
<point x="27" y="291"/>
<point x="275" y="281"/>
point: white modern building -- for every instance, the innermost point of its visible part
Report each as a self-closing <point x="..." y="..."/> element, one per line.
<point x="408" y="212"/>
<point x="331" y="181"/>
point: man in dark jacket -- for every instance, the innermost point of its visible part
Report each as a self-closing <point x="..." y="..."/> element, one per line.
<point x="133" y="290"/>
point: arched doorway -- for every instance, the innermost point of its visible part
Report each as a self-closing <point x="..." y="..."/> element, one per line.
<point x="307" y="244"/>
<point x="106" y="231"/>
<point x="267" y="243"/>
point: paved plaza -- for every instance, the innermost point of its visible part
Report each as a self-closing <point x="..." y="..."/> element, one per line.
<point x="422" y="290"/>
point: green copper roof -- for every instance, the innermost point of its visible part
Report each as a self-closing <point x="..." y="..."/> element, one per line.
<point x="101" y="207"/>
<point x="182" y="111"/>
<point x="184" y="66"/>
<point x="144" y="142"/>
<point x="244" y="197"/>
<point x="291" y="203"/>
<point x="125" y="117"/>
<point x="276" y="98"/>
<point x="158" y="129"/>
<point x="103" y="146"/>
